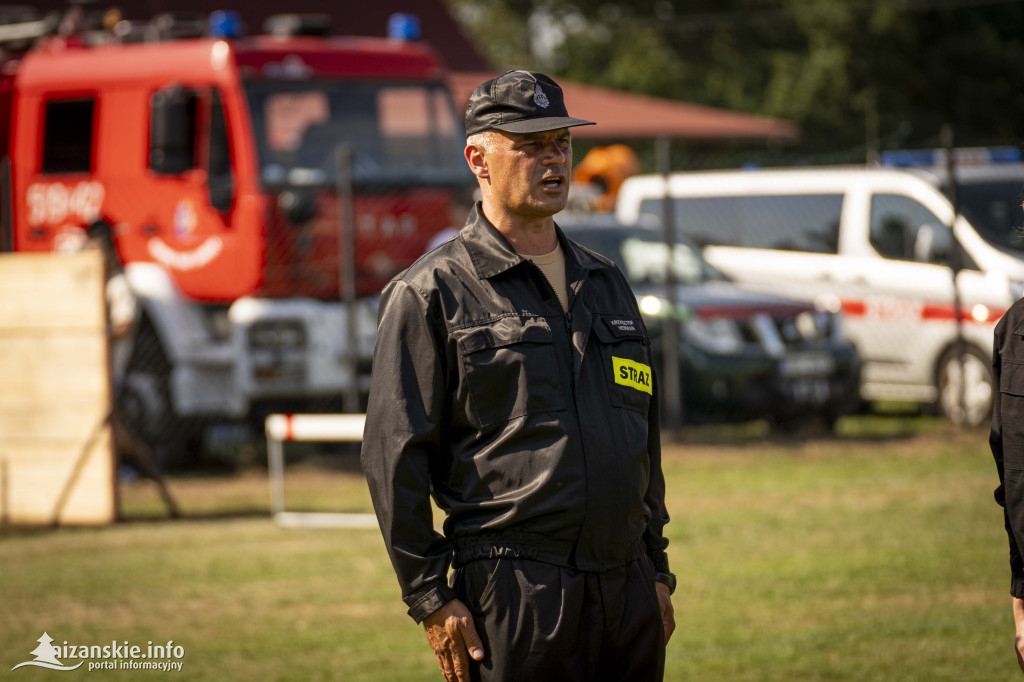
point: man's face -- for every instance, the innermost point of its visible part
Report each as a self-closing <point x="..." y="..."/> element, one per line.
<point x="529" y="172"/>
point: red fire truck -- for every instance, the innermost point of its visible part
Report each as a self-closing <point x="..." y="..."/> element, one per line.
<point x="215" y="161"/>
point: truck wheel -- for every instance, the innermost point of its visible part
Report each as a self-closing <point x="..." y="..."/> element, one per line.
<point x="141" y="401"/>
<point x="145" y="407"/>
<point x="973" y="378"/>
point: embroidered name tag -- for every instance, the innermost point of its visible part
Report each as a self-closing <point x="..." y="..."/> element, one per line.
<point x="633" y="374"/>
<point x="621" y="327"/>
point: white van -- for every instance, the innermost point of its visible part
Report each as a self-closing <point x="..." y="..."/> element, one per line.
<point x="876" y="244"/>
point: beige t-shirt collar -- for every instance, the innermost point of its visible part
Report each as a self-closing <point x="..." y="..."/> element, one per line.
<point x="553" y="266"/>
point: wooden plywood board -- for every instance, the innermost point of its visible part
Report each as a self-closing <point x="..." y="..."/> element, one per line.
<point x="48" y="291"/>
<point x="56" y="459"/>
<point x="60" y="481"/>
<point x="47" y="371"/>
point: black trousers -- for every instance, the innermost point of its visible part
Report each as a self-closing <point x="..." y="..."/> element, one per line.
<point x="541" y="622"/>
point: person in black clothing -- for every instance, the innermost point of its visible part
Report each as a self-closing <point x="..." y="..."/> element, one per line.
<point x="513" y="382"/>
<point x="1007" y="441"/>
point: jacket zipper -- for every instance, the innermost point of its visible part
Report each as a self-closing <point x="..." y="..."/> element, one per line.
<point x="579" y="425"/>
<point x="567" y="318"/>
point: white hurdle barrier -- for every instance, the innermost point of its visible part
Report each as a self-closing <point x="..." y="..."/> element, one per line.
<point x="282" y="428"/>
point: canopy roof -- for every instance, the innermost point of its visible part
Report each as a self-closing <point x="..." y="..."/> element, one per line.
<point x="621" y="114"/>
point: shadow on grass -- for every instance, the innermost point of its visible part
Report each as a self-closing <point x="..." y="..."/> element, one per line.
<point x="867" y="428"/>
<point x="212" y="515"/>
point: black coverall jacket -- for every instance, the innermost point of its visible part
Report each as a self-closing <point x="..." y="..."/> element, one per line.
<point x="535" y="430"/>
<point x="1007" y="435"/>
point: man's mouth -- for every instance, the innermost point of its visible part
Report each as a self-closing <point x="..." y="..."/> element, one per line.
<point x="552" y="183"/>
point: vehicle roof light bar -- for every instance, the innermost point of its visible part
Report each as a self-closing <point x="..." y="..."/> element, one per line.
<point x="967" y="156"/>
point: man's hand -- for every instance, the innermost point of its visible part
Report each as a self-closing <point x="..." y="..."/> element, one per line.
<point x="452" y="636"/>
<point x="1018" y="622"/>
<point x="668" y="617"/>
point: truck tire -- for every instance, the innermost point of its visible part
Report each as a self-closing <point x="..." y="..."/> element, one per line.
<point x="977" y="392"/>
<point x="145" y="406"/>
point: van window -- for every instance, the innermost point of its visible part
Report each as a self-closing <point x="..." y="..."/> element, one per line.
<point x="67" y="136"/>
<point x="790" y="222"/>
<point x="903" y="229"/>
<point x="994" y="208"/>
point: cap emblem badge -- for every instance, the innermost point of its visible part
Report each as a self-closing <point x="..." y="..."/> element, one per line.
<point x="540" y="98"/>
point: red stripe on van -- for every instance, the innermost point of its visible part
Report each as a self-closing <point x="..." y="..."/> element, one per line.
<point x="854" y="308"/>
<point x="929" y="311"/>
<point x="944" y="311"/>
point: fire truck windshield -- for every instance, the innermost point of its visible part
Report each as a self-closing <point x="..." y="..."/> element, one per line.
<point x="994" y="209"/>
<point x="397" y="132"/>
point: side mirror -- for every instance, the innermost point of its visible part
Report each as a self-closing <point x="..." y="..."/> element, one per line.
<point x="172" y="131"/>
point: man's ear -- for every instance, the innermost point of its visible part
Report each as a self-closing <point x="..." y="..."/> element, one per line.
<point x="477" y="161"/>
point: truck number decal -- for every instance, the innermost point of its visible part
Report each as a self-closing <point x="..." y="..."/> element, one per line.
<point x="51" y="203"/>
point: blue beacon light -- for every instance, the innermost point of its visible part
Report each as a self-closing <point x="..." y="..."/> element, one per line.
<point x="225" y="24"/>
<point x="404" y="27"/>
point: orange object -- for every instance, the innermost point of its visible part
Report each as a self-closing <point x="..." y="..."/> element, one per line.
<point x="607" y="167"/>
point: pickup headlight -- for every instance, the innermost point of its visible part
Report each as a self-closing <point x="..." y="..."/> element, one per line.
<point x="277" y="335"/>
<point x="719" y="336"/>
<point x="656" y="307"/>
<point x="653" y="306"/>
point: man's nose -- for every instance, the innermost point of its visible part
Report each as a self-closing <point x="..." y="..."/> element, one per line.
<point x="553" y="153"/>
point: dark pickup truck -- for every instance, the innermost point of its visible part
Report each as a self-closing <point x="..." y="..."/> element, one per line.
<point x="743" y="355"/>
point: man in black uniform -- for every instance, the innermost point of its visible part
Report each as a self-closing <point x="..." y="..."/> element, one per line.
<point x="513" y="381"/>
<point x="1007" y="441"/>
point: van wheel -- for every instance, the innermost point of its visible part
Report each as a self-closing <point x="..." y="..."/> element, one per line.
<point x="971" y="377"/>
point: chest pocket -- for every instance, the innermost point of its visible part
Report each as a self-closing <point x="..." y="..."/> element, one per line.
<point x="1011" y="408"/>
<point x="627" y="370"/>
<point x="511" y="368"/>
<point x="1011" y="378"/>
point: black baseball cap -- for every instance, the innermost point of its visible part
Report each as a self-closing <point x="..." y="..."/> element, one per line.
<point x="519" y="102"/>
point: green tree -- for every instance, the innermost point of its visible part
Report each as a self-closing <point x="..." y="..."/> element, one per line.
<point x="852" y="73"/>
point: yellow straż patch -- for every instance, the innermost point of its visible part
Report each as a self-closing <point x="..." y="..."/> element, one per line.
<point x="633" y="374"/>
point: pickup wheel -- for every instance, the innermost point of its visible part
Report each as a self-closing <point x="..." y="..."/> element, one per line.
<point x="970" y="377"/>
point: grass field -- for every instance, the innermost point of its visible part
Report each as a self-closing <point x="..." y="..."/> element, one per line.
<point x="878" y="555"/>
